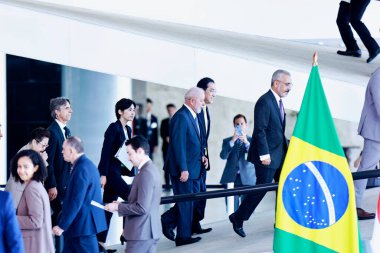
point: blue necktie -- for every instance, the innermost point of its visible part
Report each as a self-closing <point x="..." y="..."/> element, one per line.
<point x="282" y="113"/>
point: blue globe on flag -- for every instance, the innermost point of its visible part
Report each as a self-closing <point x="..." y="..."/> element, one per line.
<point x="315" y="194"/>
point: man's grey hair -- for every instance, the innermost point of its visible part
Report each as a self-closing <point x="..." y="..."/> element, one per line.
<point x="277" y="74"/>
<point x="194" y="92"/>
<point x="56" y="103"/>
<point x="75" y="143"/>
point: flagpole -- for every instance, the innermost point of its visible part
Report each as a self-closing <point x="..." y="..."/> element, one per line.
<point x="315" y="59"/>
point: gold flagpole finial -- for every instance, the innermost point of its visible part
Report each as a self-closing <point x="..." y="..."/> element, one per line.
<point x="315" y="59"/>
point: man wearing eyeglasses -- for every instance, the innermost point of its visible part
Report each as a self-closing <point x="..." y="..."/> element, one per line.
<point x="268" y="146"/>
<point x="58" y="169"/>
<point x="208" y="85"/>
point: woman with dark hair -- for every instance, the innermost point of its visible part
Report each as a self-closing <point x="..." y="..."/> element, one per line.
<point x="38" y="141"/>
<point x="33" y="212"/>
<point x="110" y="168"/>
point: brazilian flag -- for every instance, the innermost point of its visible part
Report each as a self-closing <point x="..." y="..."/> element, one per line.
<point x="316" y="210"/>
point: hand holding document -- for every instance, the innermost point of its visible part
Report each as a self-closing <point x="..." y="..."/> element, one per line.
<point x="98" y="205"/>
<point x="122" y="156"/>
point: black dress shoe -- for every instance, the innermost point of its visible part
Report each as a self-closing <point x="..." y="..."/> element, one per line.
<point x="237" y="226"/>
<point x="168" y="232"/>
<point x="184" y="241"/>
<point x="354" y="53"/>
<point x="363" y="215"/>
<point x="104" y="250"/>
<point x="201" y="231"/>
<point x="373" y="56"/>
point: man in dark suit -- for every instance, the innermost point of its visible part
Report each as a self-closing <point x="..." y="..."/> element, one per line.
<point x="184" y="161"/>
<point x="142" y="228"/>
<point x="235" y="148"/>
<point x="10" y="234"/>
<point x="164" y="132"/>
<point x="139" y="124"/>
<point x="80" y="221"/>
<point x="268" y="145"/>
<point x="208" y="86"/>
<point x="152" y="127"/>
<point x="110" y="168"/>
<point x="58" y="169"/>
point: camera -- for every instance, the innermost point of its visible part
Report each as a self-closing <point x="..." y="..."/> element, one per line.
<point x="238" y="130"/>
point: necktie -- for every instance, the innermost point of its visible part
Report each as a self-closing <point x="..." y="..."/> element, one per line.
<point x="197" y="123"/>
<point x="205" y="117"/>
<point x="282" y="113"/>
<point x="67" y="132"/>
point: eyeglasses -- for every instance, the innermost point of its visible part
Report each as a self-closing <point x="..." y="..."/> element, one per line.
<point x="44" y="145"/>
<point x="287" y="84"/>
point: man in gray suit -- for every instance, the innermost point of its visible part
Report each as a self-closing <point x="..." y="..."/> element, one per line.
<point x="369" y="129"/>
<point x="235" y="148"/>
<point x="142" y="228"/>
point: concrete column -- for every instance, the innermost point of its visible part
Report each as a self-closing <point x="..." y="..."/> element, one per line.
<point x="3" y="119"/>
<point x="93" y="96"/>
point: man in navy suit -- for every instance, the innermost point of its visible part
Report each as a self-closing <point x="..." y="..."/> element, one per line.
<point x="268" y="145"/>
<point x="184" y="161"/>
<point x="235" y="148"/>
<point x="58" y="169"/>
<point x="10" y="234"/>
<point x="80" y="221"/>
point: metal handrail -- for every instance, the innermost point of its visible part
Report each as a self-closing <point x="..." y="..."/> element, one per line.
<point x="248" y="189"/>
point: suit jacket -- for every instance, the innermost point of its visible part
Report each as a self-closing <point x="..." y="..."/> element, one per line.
<point x="10" y="234"/>
<point x="58" y="169"/>
<point x="205" y="134"/>
<point x="79" y="217"/>
<point x="142" y="211"/>
<point x="236" y="162"/>
<point x="369" y="126"/>
<point x="152" y="131"/>
<point x="164" y="132"/>
<point x="17" y="188"/>
<point x="114" y="138"/>
<point x="140" y="127"/>
<point x="33" y="214"/>
<point x="185" y="149"/>
<point x="268" y="133"/>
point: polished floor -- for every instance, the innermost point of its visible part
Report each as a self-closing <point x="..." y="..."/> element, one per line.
<point x="259" y="229"/>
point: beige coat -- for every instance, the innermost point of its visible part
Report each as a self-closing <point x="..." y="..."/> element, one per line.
<point x="33" y="214"/>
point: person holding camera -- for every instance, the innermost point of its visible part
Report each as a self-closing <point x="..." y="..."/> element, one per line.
<point x="235" y="149"/>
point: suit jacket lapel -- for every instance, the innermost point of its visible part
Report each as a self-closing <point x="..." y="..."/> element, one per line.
<point x="277" y="108"/>
<point x="208" y="122"/>
<point x="192" y="120"/>
<point x="59" y="131"/>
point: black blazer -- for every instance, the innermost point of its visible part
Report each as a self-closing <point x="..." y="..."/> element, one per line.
<point x="58" y="169"/>
<point x="268" y="133"/>
<point x="164" y="132"/>
<point x="114" y="138"/>
<point x="205" y="134"/>
<point x="153" y="132"/>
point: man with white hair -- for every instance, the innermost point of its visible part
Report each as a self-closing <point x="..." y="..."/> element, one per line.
<point x="184" y="161"/>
